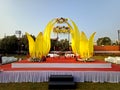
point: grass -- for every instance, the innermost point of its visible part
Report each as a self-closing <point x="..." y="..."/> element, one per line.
<point x="44" y="86"/>
<point x="99" y="57"/>
<point x="24" y="86"/>
<point x="102" y="57"/>
<point x="98" y="86"/>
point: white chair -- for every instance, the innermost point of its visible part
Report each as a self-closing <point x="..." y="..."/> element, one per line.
<point x="117" y="60"/>
<point x="8" y="59"/>
<point x="51" y="55"/>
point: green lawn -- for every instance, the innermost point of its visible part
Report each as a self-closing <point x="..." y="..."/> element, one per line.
<point x="44" y="86"/>
<point x="98" y="86"/>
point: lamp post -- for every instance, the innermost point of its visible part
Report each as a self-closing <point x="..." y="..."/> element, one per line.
<point x="119" y="38"/>
<point x="19" y="35"/>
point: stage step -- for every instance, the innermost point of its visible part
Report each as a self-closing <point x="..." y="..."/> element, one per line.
<point x="61" y="85"/>
<point x="61" y="78"/>
<point x="61" y="82"/>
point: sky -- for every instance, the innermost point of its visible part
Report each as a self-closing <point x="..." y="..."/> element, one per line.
<point x="32" y="16"/>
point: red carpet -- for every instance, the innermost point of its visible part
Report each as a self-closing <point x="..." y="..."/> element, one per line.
<point x="7" y="67"/>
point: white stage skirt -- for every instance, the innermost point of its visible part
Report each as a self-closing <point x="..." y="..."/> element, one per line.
<point x="43" y="76"/>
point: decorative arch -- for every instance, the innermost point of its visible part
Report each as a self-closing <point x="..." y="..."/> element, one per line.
<point x="80" y="44"/>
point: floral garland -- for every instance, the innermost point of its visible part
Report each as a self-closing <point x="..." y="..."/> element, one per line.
<point x="61" y="29"/>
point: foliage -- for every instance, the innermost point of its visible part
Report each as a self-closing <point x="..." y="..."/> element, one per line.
<point x="104" y="41"/>
<point x="62" y="45"/>
<point x="24" y="43"/>
<point x="0" y="42"/>
<point x="12" y="44"/>
<point x="53" y="44"/>
<point x="115" y="43"/>
<point x="9" y="44"/>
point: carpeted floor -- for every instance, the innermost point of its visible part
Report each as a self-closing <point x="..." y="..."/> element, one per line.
<point x="115" y="67"/>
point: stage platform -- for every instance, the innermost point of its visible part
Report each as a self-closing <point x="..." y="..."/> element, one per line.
<point x="61" y="65"/>
<point x="81" y="71"/>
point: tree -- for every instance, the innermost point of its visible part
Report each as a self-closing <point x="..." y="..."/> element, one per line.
<point x="0" y="44"/>
<point x="64" y="44"/>
<point x="107" y="41"/>
<point x="53" y="44"/>
<point x="99" y="41"/>
<point x="23" y="44"/>
<point x="12" y="44"/>
<point x="104" y="41"/>
<point x="9" y="44"/>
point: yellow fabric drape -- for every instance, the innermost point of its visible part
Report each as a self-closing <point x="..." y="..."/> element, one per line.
<point x="91" y="44"/>
<point x="75" y="37"/>
<point x="83" y="45"/>
<point x="47" y="33"/>
<point x="31" y="43"/>
<point x="80" y="44"/>
<point x="41" y="46"/>
<point x="39" y="49"/>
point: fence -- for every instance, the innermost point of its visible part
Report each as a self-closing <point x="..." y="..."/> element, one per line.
<point x="114" y="50"/>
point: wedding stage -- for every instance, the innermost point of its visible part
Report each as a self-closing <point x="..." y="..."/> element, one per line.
<point x="25" y="71"/>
